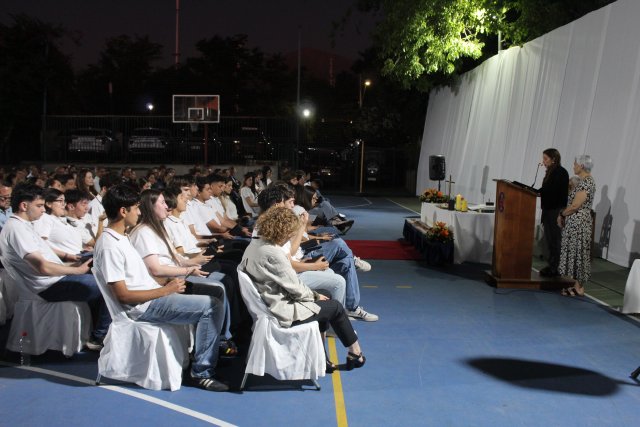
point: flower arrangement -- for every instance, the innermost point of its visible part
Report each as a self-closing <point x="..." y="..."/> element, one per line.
<point x="431" y="195"/>
<point x="440" y="232"/>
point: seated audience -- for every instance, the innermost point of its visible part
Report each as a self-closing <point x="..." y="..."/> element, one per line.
<point x="342" y="261"/>
<point x="77" y="207"/>
<point x="5" y="203"/>
<point x="151" y="241"/>
<point x="146" y="301"/>
<point x="64" y="239"/>
<point x="249" y="195"/>
<point x="288" y="298"/>
<point x="85" y="183"/>
<point x="41" y="269"/>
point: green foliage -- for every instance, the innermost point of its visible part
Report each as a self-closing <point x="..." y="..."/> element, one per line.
<point x="422" y="41"/>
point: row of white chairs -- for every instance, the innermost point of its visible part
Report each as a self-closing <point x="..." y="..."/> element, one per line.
<point x="153" y="355"/>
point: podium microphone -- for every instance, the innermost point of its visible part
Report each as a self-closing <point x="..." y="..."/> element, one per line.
<point x="536" y="177"/>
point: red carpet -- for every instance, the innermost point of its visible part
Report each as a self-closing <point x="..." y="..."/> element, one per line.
<point x="383" y="249"/>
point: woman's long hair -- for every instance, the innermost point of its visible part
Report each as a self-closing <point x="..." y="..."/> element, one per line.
<point x="148" y="199"/>
<point x="554" y="155"/>
<point x="80" y="185"/>
<point x="304" y="196"/>
<point x="253" y="185"/>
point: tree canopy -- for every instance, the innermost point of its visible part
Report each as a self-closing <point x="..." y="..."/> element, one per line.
<point x="420" y="41"/>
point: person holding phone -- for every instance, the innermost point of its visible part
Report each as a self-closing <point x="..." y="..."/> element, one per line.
<point x="287" y="297"/>
<point x="151" y="241"/>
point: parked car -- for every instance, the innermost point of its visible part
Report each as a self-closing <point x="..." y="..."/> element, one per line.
<point x="90" y="140"/>
<point x="149" y="141"/>
<point x="249" y="143"/>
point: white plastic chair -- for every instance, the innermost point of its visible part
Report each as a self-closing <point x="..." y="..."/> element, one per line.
<point x="62" y="326"/>
<point x="150" y="355"/>
<point x="8" y="296"/>
<point x="295" y="353"/>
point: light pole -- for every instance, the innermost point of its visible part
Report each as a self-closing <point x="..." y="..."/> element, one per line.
<point x="362" y="88"/>
<point x="360" y="144"/>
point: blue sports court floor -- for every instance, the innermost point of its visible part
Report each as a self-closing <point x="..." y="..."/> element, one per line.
<point x="448" y="350"/>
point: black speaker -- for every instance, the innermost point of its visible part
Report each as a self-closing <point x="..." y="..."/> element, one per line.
<point x="437" y="170"/>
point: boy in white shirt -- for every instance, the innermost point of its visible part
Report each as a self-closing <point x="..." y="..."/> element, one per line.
<point x="145" y="300"/>
<point x="42" y="271"/>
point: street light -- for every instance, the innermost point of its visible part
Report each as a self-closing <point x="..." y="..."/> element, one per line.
<point x="362" y="88"/>
<point x="149" y="107"/>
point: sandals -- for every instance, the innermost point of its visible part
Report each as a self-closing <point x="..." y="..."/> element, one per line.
<point x="228" y="349"/>
<point x="355" y="361"/>
<point x="573" y="291"/>
<point x="331" y="368"/>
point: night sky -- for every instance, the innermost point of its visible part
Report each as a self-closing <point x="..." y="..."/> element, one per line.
<point x="271" y="25"/>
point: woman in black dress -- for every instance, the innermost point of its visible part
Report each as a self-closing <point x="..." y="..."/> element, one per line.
<point x="553" y="195"/>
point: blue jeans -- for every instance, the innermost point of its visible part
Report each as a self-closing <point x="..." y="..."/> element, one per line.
<point x="327" y="280"/>
<point x="81" y="287"/>
<point x="211" y="286"/>
<point x="206" y="312"/>
<point x="340" y="260"/>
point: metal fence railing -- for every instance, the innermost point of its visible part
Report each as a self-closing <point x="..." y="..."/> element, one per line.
<point x="156" y="139"/>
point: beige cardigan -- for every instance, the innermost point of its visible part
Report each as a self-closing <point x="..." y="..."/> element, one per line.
<point x="277" y="282"/>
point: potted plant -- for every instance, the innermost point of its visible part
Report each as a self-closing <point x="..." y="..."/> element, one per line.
<point x="439" y="244"/>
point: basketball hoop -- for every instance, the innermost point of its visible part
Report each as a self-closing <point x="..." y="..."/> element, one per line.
<point x="193" y="124"/>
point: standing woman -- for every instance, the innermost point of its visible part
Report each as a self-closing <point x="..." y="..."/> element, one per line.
<point x="576" y="223"/>
<point x="553" y="195"/>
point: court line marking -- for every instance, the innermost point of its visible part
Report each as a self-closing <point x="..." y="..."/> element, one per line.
<point x="369" y="286"/>
<point x="338" y="395"/>
<point x="369" y="203"/>
<point x="171" y="406"/>
<point x="404" y="286"/>
<point x="402" y="206"/>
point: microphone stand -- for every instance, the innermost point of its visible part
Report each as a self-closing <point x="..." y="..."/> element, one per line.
<point x="536" y="177"/>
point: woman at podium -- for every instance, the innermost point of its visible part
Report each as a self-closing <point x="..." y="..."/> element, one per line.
<point x="576" y="223"/>
<point x="553" y="198"/>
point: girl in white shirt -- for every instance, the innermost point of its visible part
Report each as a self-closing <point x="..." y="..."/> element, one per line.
<point x="250" y="195"/>
<point x="153" y="244"/>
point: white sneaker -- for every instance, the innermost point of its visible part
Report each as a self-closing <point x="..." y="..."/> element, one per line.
<point x="361" y="264"/>
<point x="360" y="314"/>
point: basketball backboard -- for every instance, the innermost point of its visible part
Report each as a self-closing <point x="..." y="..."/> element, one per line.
<point x="196" y="108"/>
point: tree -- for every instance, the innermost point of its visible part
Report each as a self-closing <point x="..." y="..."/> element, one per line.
<point x="34" y="74"/>
<point x="422" y="41"/>
<point x="126" y="65"/>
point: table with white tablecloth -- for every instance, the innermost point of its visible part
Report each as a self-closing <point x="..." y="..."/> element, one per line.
<point x="473" y="232"/>
<point x="631" y="302"/>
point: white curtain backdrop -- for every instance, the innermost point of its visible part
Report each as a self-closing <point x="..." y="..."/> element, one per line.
<point x="575" y="89"/>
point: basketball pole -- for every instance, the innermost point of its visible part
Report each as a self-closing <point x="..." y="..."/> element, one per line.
<point x="206" y="143"/>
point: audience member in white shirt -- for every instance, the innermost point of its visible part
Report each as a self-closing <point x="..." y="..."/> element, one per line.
<point x="77" y="206"/>
<point x="42" y="271"/>
<point x="249" y="195"/>
<point x="151" y="241"/>
<point x="64" y="239"/>
<point x="127" y="277"/>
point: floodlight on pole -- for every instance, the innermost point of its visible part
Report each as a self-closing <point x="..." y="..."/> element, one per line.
<point x="362" y="88"/>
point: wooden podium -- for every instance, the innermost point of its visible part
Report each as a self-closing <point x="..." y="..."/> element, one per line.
<point x="513" y="240"/>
